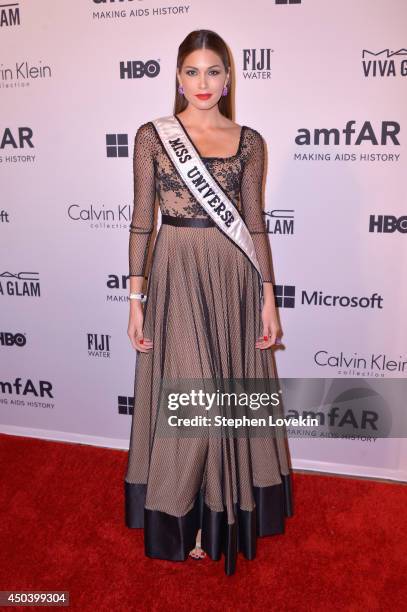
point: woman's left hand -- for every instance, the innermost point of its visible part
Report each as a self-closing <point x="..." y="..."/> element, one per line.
<point x="272" y="331"/>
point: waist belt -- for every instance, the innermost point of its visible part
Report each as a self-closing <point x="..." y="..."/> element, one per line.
<point x="187" y="221"/>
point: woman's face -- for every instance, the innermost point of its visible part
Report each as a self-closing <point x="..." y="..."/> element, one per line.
<point x="203" y="73"/>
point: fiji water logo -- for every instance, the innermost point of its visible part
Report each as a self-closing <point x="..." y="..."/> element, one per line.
<point x="257" y="63"/>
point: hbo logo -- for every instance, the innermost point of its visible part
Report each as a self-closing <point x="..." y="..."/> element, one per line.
<point x="8" y="339"/>
<point x="138" y="69"/>
<point x="388" y="224"/>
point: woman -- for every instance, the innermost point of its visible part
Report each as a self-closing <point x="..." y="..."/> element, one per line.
<point x="209" y="312"/>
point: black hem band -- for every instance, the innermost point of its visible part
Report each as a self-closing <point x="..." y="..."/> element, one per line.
<point x="173" y="537"/>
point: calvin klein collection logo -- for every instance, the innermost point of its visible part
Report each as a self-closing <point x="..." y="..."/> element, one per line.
<point x="285" y="298"/>
<point x="99" y="217"/>
<point x="384" y="63"/>
<point x="117" y="145"/>
<point x="375" y="364"/>
<point x="387" y="224"/>
<point x="9" y="14"/>
<point x="136" y="69"/>
<point x="12" y="339"/>
<point x="22" y="74"/>
<point x="257" y="63"/>
<point x="20" y="284"/>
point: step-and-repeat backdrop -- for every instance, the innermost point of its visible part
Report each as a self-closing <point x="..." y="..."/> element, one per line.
<point x="325" y="84"/>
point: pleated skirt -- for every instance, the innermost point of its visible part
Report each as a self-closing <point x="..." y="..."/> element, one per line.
<point x="203" y="314"/>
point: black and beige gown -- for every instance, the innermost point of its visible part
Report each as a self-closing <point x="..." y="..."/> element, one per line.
<point x="203" y="313"/>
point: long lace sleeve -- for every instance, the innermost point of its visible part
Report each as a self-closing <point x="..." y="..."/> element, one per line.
<point x="251" y="199"/>
<point x="142" y="222"/>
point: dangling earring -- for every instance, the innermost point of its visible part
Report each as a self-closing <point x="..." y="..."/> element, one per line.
<point x="180" y="90"/>
<point x="225" y="91"/>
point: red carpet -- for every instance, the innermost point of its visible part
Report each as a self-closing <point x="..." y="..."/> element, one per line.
<point x="62" y="528"/>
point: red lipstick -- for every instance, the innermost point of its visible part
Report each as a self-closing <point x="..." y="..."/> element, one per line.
<point x="204" y="96"/>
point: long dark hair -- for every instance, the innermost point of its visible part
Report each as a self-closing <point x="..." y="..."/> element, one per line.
<point x="204" y="39"/>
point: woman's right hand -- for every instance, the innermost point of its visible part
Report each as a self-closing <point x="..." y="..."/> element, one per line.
<point x="135" y="328"/>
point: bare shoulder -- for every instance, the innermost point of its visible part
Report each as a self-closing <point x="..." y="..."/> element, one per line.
<point x="229" y="124"/>
<point x="236" y="126"/>
<point x="251" y="134"/>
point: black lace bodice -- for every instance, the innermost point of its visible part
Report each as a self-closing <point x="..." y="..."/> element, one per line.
<point x="240" y="176"/>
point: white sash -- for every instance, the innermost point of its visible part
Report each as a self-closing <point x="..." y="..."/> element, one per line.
<point x="204" y="188"/>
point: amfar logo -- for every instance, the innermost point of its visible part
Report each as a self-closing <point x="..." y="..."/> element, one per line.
<point x="98" y="345"/>
<point x="20" y="284"/>
<point x="136" y="69"/>
<point x="279" y="222"/>
<point x="288" y="1"/>
<point x="336" y="418"/>
<point x="125" y="404"/>
<point x="257" y="63"/>
<point x="384" y="63"/>
<point x="118" y="9"/>
<point x="387" y="224"/>
<point x="285" y="298"/>
<point x="117" y="145"/>
<point x="385" y="134"/>
<point x="22" y="74"/>
<point x="117" y="283"/>
<point x="43" y="388"/>
<point x="18" y="139"/>
<point x="9" y="14"/>
<point x="354" y="365"/>
<point x="346" y="408"/>
<point x="10" y="339"/>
